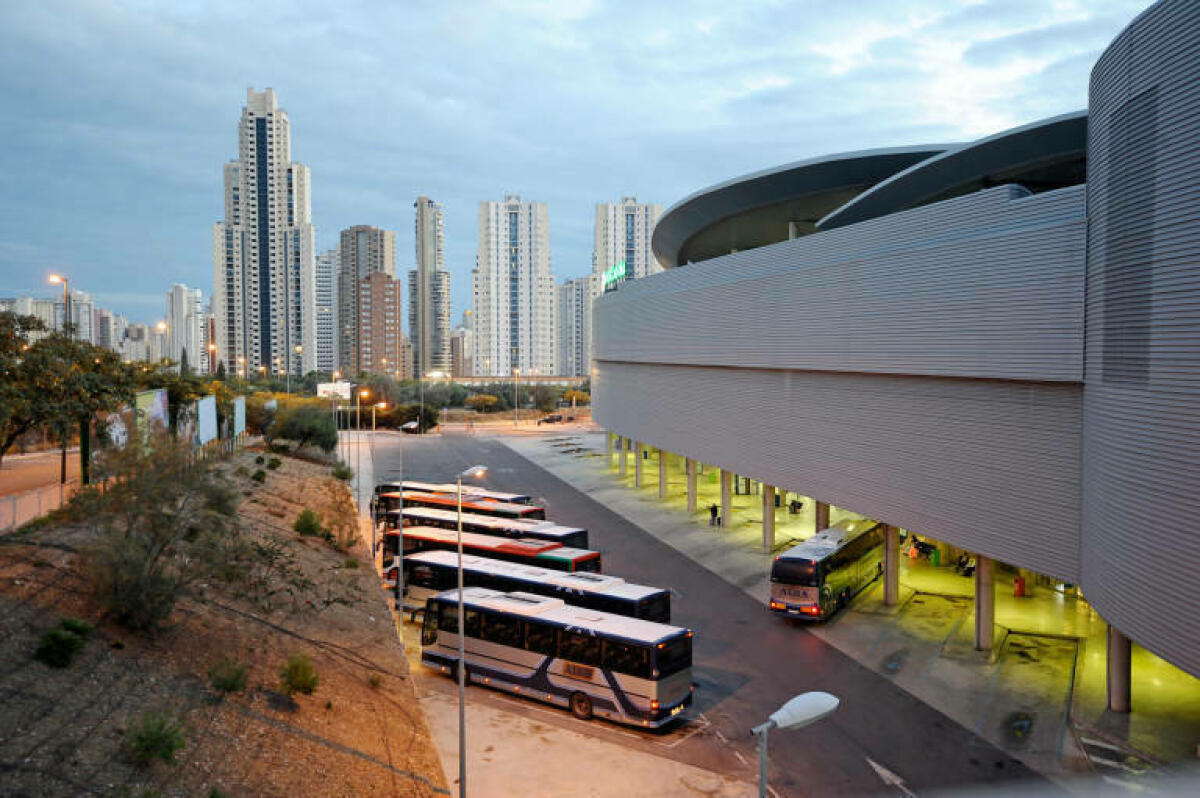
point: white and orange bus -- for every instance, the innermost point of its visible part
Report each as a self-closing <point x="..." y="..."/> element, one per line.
<point x="491" y="525"/>
<point x="543" y="553"/>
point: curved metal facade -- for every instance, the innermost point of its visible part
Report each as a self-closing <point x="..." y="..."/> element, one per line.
<point x="1141" y="495"/>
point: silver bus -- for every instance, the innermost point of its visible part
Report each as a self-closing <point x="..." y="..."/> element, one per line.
<point x="819" y="576"/>
<point x="593" y="663"/>
<point x="491" y="525"/>
<point x="430" y="572"/>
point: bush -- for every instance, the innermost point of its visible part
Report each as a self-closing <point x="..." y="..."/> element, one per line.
<point x="274" y="463"/>
<point x="260" y="460"/>
<point x="58" y="647"/>
<point x="228" y="676"/>
<point x="155" y="735"/>
<point x="375" y="681"/>
<point x="343" y="472"/>
<point x="306" y="423"/>
<point x="76" y="626"/>
<point x="350" y="563"/>
<point x="309" y="523"/>
<point x="299" y="676"/>
<point x="242" y="471"/>
<point x="259" y="476"/>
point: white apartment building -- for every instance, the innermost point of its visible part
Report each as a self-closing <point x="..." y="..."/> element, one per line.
<point x="82" y="315"/>
<point x="429" y="291"/>
<point x="185" y="328"/>
<point x="41" y="309"/>
<point x="622" y="236"/>
<point x="575" y="325"/>
<point x="264" y="281"/>
<point x="327" y="266"/>
<point x="513" y="290"/>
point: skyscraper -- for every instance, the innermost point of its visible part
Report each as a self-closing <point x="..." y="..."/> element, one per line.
<point x="327" y="309"/>
<point x="185" y="327"/>
<point x="513" y="289"/>
<point x="82" y="315"/>
<point x="381" y="325"/>
<point x="575" y="325"/>
<point x="263" y="260"/>
<point x="622" y="236"/>
<point x="365" y="250"/>
<point x="429" y="292"/>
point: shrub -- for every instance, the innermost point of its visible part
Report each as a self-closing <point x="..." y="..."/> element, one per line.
<point x="375" y="680"/>
<point x="306" y="423"/>
<point x="156" y="734"/>
<point x="260" y="460"/>
<point x="350" y="563"/>
<point x="217" y="792"/>
<point x="58" y="647"/>
<point x="228" y="676"/>
<point x="77" y="626"/>
<point x="259" y="476"/>
<point x="309" y="523"/>
<point x="343" y="472"/>
<point x="274" y="463"/>
<point x="242" y="471"/>
<point x="299" y="676"/>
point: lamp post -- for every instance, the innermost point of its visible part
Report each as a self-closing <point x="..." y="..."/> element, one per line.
<point x="516" y="394"/>
<point x="56" y="279"/>
<point x="298" y="350"/>
<point x="358" y="397"/>
<point x="433" y="375"/>
<point x="804" y="709"/>
<point x="477" y="472"/>
<point x="241" y="361"/>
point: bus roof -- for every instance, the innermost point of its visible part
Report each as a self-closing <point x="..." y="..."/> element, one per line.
<point x="489" y="521"/>
<point x="451" y="487"/>
<point x="581" y="580"/>
<point x="827" y="541"/>
<point x="504" y="545"/>
<point x="558" y="612"/>
<point x="477" y="501"/>
<point x="560" y="552"/>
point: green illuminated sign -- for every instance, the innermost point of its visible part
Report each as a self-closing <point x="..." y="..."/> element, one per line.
<point x="614" y="274"/>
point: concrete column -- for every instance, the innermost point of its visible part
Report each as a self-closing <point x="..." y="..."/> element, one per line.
<point x="624" y="445"/>
<point x="768" y="499"/>
<point x="663" y="454"/>
<point x="608" y="442"/>
<point x="690" y="465"/>
<point x="637" y="464"/>
<point x="726" y="497"/>
<point x="1120" y="671"/>
<point x="985" y="603"/>
<point x="822" y="516"/>
<point x="891" y="565"/>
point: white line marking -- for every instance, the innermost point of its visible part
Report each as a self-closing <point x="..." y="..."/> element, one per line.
<point x="741" y="758"/>
<point x="1100" y="744"/>
<point x="1119" y="765"/>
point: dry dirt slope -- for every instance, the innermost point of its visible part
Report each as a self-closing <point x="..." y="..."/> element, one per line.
<point x="362" y="732"/>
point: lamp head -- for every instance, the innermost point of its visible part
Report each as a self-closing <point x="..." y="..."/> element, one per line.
<point x="476" y="471"/>
<point x="57" y="278"/>
<point x="804" y="709"/>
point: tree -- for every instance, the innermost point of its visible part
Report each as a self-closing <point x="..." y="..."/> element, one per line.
<point x="306" y="422"/>
<point x="483" y="403"/>
<point x="221" y="371"/>
<point x="544" y="398"/>
<point x="577" y="397"/>
<point x="17" y="409"/>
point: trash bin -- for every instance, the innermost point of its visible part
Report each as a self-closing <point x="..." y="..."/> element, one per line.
<point x="777" y="499"/>
<point x="935" y="557"/>
<point x="1019" y="587"/>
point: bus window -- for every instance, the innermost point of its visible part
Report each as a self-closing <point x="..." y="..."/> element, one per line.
<point x="579" y="648"/>
<point x="502" y="629"/>
<point x="674" y="655"/>
<point x="429" y="625"/>
<point x="448" y="617"/>
<point x="627" y="658"/>
<point x="655" y="608"/>
<point x="537" y="515"/>
<point x="796" y="572"/>
<point x="539" y="638"/>
<point x="589" y="565"/>
<point x="423" y="576"/>
<point x="474" y="622"/>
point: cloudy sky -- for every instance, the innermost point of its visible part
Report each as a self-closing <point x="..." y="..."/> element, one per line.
<point x="117" y="116"/>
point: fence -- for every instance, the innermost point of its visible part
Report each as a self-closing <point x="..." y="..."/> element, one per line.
<point x="21" y="508"/>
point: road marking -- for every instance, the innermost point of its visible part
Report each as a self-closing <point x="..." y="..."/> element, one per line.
<point x="1100" y="744"/>
<point x="889" y="778"/>
<point x="741" y="758"/>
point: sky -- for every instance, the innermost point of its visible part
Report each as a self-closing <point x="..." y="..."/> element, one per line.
<point x="118" y="116"/>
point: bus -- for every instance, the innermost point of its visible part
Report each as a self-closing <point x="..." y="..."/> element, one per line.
<point x="472" y="491"/>
<point x="443" y="501"/>
<point x="595" y="663"/>
<point x="819" y="576"/>
<point x="490" y="525"/>
<point x="543" y="553"/>
<point x="430" y="572"/>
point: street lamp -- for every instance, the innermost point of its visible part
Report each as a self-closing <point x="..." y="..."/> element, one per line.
<point x="433" y="375"/>
<point x="299" y="349"/>
<point x="358" y="397"/>
<point x="516" y="394"/>
<point x="804" y="709"/>
<point x="476" y="472"/>
<point x="241" y="361"/>
<point x="56" y="279"/>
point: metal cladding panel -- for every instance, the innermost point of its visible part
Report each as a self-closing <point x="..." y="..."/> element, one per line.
<point x="993" y="467"/>
<point x="988" y="285"/>
<point x="1141" y="489"/>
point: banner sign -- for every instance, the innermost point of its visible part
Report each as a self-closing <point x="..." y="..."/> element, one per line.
<point x="326" y="390"/>
<point x="206" y="420"/>
<point x="239" y="416"/>
<point x="151" y="409"/>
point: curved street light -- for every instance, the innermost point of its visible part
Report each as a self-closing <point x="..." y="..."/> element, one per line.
<point x="476" y="472"/>
<point x="801" y="711"/>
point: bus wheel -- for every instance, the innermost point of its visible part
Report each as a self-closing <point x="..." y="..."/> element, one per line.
<point x="581" y="706"/>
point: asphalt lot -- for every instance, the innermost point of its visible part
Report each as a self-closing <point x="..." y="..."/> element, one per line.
<point x="747" y="662"/>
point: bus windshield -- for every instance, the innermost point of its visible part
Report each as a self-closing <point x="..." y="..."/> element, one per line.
<point x="656" y="608"/>
<point x="796" y="572"/>
<point x="674" y="655"/>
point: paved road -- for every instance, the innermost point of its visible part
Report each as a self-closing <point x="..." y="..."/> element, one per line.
<point x="22" y="472"/>
<point x="747" y="662"/>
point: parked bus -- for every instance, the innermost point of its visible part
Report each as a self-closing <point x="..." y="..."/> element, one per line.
<point x="490" y="525"/>
<point x="412" y="498"/>
<point x="428" y="573"/>
<point x="543" y="553"/>
<point x="473" y="491"/>
<point x="819" y="576"/>
<point x="594" y="663"/>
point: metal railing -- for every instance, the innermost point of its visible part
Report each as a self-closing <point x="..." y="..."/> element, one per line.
<point x="18" y="509"/>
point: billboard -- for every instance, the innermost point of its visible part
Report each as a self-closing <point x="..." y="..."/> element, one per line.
<point x="206" y="420"/>
<point x="151" y="410"/>
<point x="333" y="389"/>
<point x="239" y="416"/>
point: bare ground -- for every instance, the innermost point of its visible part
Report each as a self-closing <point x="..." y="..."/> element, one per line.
<point x="62" y="731"/>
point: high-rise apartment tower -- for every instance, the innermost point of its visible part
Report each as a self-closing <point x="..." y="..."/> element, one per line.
<point x="429" y="292"/>
<point x="622" y="236"/>
<point x="327" y="309"/>
<point x="575" y="325"/>
<point x="364" y="251"/>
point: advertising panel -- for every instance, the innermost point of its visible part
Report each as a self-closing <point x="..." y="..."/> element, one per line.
<point x="239" y="416"/>
<point x="151" y="409"/>
<point x="326" y="390"/>
<point x="206" y="419"/>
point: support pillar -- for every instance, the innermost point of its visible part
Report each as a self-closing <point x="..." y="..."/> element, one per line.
<point x="726" y="498"/>
<point x="891" y="565"/>
<point x="637" y="464"/>
<point x="768" y="522"/>
<point x="985" y="603"/>
<point x="624" y="445"/>
<point x="822" y="516"/>
<point x="1120" y="671"/>
<point x="663" y="454"/>
<point x="608" y="442"/>
<point x="690" y="465"/>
